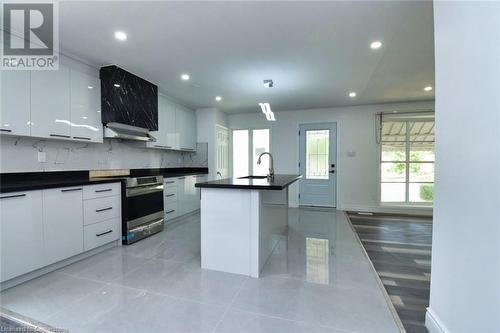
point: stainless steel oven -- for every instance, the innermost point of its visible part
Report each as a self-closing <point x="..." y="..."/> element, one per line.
<point x="142" y="208"/>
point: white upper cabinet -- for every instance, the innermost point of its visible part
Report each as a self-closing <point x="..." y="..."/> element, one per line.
<point x="185" y="120"/>
<point x="86" y="124"/>
<point x="172" y="139"/>
<point x="15" y="102"/>
<point x="176" y="127"/>
<point x="164" y="122"/>
<point x="50" y="103"/>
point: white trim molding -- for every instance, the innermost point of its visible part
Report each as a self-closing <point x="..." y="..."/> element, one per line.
<point x="433" y="323"/>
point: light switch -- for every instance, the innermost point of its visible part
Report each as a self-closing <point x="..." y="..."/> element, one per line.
<point x="42" y="157"/>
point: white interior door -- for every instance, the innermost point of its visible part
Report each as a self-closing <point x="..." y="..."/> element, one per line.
<point x="318" y="161"/>
<point x="222" y="135"/>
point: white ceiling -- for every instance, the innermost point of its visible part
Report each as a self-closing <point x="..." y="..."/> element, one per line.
<point x="316" y="52"/>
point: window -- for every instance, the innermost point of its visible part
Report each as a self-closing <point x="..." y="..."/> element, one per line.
<point x="240" y="153"/>
<point x="317" y="149"/>
<point x="407" y="159"/>
<point x="254" y="142"/>
<point x="260" y="144"/>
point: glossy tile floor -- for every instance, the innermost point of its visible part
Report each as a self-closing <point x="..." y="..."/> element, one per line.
<point x="317" y="280"/>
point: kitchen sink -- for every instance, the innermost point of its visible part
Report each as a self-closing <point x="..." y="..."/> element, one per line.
<point x="253" y="177"/>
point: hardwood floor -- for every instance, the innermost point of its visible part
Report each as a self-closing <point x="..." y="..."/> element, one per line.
<point x="400" y="250"/>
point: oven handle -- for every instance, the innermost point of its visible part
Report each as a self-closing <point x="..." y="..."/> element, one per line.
<point x="152" y="224"/>
<point x="132" y="192"/>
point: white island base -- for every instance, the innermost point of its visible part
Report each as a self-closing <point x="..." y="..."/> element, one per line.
<point x="241" y="227"/>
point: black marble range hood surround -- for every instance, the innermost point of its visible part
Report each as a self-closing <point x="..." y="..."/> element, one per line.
<point x="128" y="99"/>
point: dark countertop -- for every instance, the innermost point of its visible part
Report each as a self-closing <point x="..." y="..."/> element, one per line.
<point x="168" y="172"/>
<point x="280" y="182"/>
<point x="26" y="181"/>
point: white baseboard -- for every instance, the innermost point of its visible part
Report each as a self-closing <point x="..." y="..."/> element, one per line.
<point x="433" y="323"/>
<point x="387" y="209"/>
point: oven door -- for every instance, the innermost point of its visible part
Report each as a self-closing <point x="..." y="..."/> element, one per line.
<point x="143" y="204"/>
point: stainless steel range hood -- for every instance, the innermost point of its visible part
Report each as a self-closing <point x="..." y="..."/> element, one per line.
<point x="127" y="132"/>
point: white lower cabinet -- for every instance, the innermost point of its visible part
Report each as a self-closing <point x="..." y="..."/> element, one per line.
<point x="42" y="227"/>
<point x="181" y="196"/>
<point x="101" y="233"/>
<point x="62" y="223"/>
<point x="21" y="233"/>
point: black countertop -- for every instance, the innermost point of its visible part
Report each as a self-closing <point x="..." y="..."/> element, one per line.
<point x="26" y="181"/>
<point x="280" y="182"/>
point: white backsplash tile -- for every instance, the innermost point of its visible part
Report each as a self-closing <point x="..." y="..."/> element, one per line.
<point x="21" y="155"/>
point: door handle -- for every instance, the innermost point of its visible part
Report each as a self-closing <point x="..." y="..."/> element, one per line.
<point x="332" y="171"/>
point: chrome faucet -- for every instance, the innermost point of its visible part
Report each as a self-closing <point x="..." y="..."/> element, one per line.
<point x="270" y="176"/>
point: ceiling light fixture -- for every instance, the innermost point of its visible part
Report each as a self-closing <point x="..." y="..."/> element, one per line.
<point x="120" y="35"/>
<point x="266" y="109"/>
<point x="428" y="88"/>
<point x="185" y="77"/>
<point x="352" y="94"/>
<point x="268" y="83"/>
<point x="218" y="98"/>
<point x="376" y="45"/>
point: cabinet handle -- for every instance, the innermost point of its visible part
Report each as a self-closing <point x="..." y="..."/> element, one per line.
<point x="81" y="138"/>
<point x="162" y="146"/>
<point x="13" y="196"/>
<point x="59" y="136"/>
<point x="171" y="182"/>
<point x="5" y="130"/>
<point x="170" y="195"/>
<point x="104" y="233"/>
<point x="103" y="209"/>
<point x="181" y="178"/>
<point x="170" y="211"/>
<point x="71" y="189"/>
<point x="190" y="149"/>
<point x="106" y="190"/>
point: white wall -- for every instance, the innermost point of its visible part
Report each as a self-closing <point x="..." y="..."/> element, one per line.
<point x="357" y="176"/>
<point x="465" y="279"/>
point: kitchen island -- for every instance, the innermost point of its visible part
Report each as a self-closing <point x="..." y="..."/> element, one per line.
<point x="241" y="220"/>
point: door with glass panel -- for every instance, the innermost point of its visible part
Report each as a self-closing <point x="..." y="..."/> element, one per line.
<point x="318" y="162"/>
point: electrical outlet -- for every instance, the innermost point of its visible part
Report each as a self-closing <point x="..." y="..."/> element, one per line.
<point x="42" y="157"/>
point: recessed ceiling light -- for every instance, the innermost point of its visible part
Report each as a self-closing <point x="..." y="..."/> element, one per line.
<point x="428" y="88"/>
<point x="120" y="35"/>
<point x="90" y="87"/>
<point x="116" y="85"/>
<point x="376" y="45"/>
<point x="185" y="77"/>
<point x="352" y="94"/>
<point x="218" y="98"/>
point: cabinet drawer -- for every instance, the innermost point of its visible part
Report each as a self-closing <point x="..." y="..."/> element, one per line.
<point x="101" y="190"/>
<point x="100" y="209"/>
<point x="170" y="183"/>
<point x="171" y="210"/>
<point x="170" y="192"/>
<point x="98" y="234"/>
